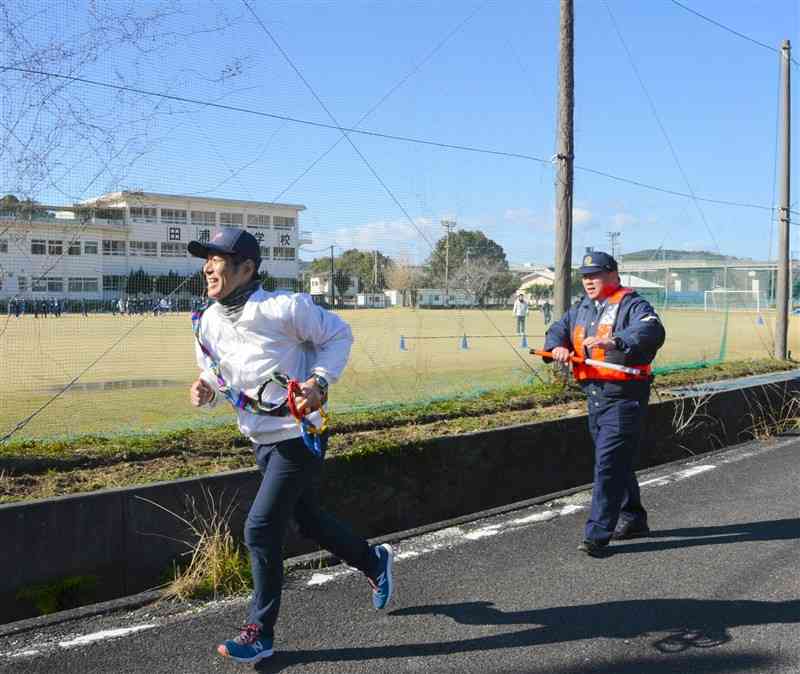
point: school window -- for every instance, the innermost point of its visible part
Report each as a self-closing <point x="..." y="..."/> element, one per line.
<point x="143" y="248"/>
<point x="39" y="285"/>
<point x="22" y="283"/>
<point x="55" y="285"/>
<point x="172" y="216"/>
<point x="264" y="252"/>
<point x="38" y="246"/>
<point x="55" y="247"/>
<point x="174" y="233"/>
<point x="74" y="248"/>
<point x="90" y="247"/>
<point x="204" y="218"/>
<point x="173" y="249"/>
<point x="231" y="219"/>
<point x="112" y="214"/>
<point x="113" y="247"/>
<point x="258" y="221"/>
<point x="281" y="222"/>
<point x="114" y="282"/>
<point x="3" y="245"/>
<point x="141" y="214"/>
<point x="282" y="253"/>
<point x="1" y="282"/>
<point x="204" y="235"/>
<point x="77" y="285"/>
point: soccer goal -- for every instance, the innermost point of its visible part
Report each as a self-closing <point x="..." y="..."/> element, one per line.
<point x="723" y="299"/>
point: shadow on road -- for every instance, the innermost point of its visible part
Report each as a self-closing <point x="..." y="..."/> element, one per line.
<point x="687" y="623"/>
<point x="773" y="530"/>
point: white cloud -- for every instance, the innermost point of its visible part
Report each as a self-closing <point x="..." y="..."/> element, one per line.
<point x="581" y="216"/>
<point x="526" y="217"/>
<point x="396" y="238"/>
<point x="622" y="219"/>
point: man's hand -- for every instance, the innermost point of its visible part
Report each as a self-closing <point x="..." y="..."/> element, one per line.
<point x="201" y="393"/>
<point x="311" y="399"/>
<point x="605" y="343"/>
<point x="561" y="354"/>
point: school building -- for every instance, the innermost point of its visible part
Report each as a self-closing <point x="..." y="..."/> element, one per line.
<point x="87" y="250"/>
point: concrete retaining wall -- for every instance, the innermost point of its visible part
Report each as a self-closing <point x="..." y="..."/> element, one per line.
<point x="129" y="544"/>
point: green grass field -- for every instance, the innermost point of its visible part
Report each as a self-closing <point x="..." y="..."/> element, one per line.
<point x="141" y="384"/>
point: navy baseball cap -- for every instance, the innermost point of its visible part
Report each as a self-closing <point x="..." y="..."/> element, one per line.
<point x="228" y="241"/>
<point x="597" y="261"/>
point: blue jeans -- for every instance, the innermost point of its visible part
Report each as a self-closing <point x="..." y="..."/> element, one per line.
<point x="520" y="325"/>
<point x="616" y="426"/>
<point x="289" y="488"/>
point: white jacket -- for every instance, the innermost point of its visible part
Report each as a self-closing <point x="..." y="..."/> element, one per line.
<point x="520" y="308"/>
<point x="278" y="332"/>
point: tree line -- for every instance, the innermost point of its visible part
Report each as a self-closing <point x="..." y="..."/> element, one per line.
<point x="469" y="261"/>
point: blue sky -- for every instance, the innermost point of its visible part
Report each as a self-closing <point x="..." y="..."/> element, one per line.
<point x="491" y="85"/>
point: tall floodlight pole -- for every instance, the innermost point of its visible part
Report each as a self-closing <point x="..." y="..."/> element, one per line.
<point x="448" y="225"/>
<point x="566" y="104"/>
<point x="613" y="237"/>
<point x="782" y="290"/>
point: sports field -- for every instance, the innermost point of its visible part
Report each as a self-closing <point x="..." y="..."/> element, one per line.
<point x="141" y="384"/>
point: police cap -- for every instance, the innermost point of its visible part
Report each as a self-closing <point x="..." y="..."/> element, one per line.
<point x="597" y="261"/>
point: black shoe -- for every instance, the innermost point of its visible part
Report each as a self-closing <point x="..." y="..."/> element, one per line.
<point x="593" y="549"/>
<point x="630" y="529"/>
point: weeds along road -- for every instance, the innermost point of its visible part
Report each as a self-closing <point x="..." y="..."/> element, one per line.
<point x="714" y="589"/>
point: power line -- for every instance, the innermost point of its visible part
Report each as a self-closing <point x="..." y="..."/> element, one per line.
<point x="386" y="136"/>
<point x="383" y="98"/>
<point x="661" y="126"/>
<point x="724" y="27"/>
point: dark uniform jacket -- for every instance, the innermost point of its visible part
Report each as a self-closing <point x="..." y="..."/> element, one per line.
<point x="637" y="326"/>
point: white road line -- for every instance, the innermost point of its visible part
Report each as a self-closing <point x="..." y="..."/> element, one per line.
<point x="679" y="475"/>
<point x="103" y="635"/>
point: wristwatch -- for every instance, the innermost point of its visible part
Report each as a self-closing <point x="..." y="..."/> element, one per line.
<point x="322" y="385"/>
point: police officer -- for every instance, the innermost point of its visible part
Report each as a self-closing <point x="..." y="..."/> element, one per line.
<point x="615" y="325"/>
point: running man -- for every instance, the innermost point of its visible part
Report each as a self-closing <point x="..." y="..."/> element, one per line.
<point x="244" y="338"/>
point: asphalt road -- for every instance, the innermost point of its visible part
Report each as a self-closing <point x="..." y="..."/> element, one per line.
<point x="714" y="589"/>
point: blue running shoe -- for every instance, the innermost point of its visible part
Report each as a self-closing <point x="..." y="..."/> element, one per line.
<point x="382" y="584"/>
<point x="248" y="647"/>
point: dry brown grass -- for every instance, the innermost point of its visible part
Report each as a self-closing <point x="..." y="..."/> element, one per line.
<point x="217" y="565"/>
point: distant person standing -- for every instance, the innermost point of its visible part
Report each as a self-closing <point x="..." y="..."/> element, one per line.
<point x="547" y="312"/>
<point x="520" y="310"/>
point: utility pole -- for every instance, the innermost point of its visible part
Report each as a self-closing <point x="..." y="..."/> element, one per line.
<point x="333" y="287"/>
<point x="565" y="154"/>
<point x="375" y="272"/>
<point x="613" y="237"/>
<point x="782" y="294"/>
<point x="448" y="225"/>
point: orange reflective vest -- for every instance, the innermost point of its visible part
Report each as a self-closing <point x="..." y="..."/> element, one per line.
<point x="605" y="328"/>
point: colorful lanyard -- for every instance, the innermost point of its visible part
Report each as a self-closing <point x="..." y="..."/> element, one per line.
<point x="313" y="436"/>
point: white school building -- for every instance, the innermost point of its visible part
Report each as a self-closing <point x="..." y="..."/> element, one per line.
<point x="87" y="250"/>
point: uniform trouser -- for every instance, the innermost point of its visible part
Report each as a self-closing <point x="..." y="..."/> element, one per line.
<point x="289" y="488"/>
<point x="616" y="426"/>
